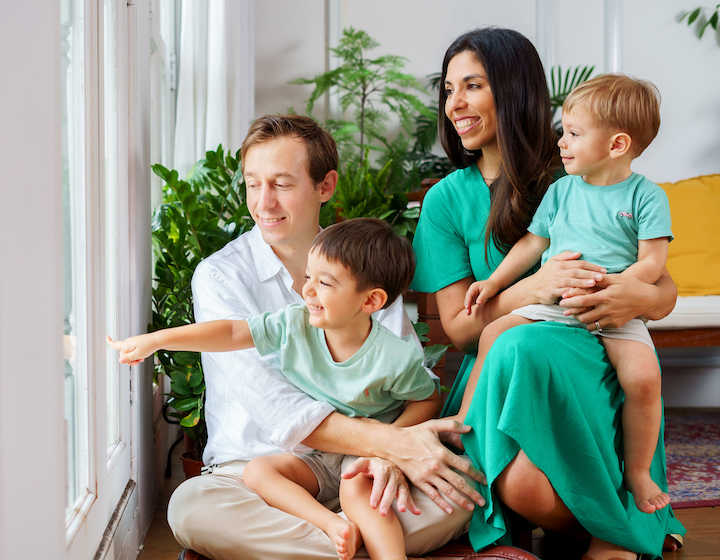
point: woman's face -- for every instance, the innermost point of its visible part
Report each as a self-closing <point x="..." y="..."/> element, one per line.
<point x="469" y="104"/>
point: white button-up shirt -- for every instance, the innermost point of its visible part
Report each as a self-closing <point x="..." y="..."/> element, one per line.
<point x="250" y="408"/>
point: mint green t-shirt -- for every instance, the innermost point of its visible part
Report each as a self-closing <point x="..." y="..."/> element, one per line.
<point x="374" y="382"/>
<point x="604" y="223"/>
<point x="449" y="241"/>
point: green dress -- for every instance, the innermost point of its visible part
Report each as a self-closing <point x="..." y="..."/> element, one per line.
<point x="545" y="388"/>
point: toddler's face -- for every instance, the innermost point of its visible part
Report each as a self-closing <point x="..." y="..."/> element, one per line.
<point x="331" y="294"/>
<point x="584" y="145"/>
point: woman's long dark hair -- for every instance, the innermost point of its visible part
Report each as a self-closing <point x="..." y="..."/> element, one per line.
<point x="527" y="143"/>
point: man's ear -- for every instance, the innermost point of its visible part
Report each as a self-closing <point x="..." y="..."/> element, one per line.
<point x="328" y="184"/>
<point x="375" y="300"/>
<point x="620" y="144"/>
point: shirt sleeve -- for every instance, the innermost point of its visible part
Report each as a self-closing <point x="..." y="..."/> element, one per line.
<point x="414" y="384"/>
<point x="268" y="331"/>
<point x="396" y="320"/>
<point x="654" y="216"/>
<point x="286" y="413"/>
<point x="440" y="250"/>
<point x="540" y="223"/>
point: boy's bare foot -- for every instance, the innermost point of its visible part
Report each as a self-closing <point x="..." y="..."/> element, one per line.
<point x="345" y="535"/>
<point x="648" y="496"/>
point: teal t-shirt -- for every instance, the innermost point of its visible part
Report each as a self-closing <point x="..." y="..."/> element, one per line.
<point x="604" y="223"/>
<point x="449" y="241"/>
<point x="374" y="382"/>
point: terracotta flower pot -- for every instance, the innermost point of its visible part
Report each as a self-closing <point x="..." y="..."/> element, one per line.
<point x="191" y="465"/>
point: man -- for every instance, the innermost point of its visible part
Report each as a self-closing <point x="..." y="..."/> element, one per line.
<point x="290" y="170"/>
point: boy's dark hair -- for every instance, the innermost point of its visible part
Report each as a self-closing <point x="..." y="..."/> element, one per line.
<point x="322" y="152"/>
<point x="372" y="252"/>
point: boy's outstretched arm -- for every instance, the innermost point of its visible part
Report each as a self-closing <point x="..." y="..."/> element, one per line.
<point x="212" y="336"/>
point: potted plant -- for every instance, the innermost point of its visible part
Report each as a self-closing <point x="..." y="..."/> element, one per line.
<point x="198" y="216"/>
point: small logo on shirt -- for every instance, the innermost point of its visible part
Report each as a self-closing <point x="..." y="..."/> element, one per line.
<point x="367" y="392"/>
<point x="627" y="215"/>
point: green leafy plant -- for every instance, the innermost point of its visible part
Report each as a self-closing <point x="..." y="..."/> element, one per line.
<point x="198" y="216"/>
<point x="371" y="90"/>
<point x="695" y="14"/>
<point x="433" y="353"/>
<point x="362" y="193"/>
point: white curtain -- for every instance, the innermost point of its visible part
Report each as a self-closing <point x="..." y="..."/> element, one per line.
<point x="216" y="84"/>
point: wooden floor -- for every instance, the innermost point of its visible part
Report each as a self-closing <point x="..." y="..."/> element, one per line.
<point x="702" y="541"/>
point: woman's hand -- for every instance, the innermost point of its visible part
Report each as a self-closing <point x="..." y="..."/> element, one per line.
<point x="430" y="466"/>
<point x="617" y="298"/>
<point x="558" y="274"/>
<point x="389" y="483"/>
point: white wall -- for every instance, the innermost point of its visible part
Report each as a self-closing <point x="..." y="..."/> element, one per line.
<point x="639" y="37"/>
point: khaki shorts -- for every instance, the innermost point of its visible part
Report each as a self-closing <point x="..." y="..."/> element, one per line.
<point x="634" y="329"/>
<point x="327" y="468"/>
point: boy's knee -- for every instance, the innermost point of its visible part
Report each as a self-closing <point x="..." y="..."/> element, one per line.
<point x="253" y="473"/>
<point x="355" y="488"/>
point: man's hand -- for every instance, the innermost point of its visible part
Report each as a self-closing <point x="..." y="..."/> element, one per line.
<point x="388" y="483"/>
<point x="429" y="465"/>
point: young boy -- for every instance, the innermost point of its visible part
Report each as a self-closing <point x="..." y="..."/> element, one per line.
<point x="333" y="350"/>
<point x="615" y="218"/>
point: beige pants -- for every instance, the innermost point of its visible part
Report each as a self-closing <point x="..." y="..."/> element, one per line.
<point x="217" y="515"/>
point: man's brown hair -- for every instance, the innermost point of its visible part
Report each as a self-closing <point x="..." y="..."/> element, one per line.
<point x="320" y="145"/>
<point x="372" y="252"/>
<point x="623" y="103"/>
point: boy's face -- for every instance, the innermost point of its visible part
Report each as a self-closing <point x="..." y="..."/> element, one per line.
<point x="281" y="196"/>
<point x="584" y="146"/>
<point x="331" y="294"/>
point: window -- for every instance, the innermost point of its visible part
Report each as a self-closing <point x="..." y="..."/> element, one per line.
<point x="98" y="408"/>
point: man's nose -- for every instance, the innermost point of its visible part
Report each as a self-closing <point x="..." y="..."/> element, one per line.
<point x="267" y="197"/>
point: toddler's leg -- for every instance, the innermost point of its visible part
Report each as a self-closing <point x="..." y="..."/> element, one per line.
<point x="288" y="483"/>
<point x="639" y="376"/>
<point x="487" y="339"/>
<point x="382" y="536"/>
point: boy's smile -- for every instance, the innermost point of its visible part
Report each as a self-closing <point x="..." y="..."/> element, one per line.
<point x="331" y="296"/>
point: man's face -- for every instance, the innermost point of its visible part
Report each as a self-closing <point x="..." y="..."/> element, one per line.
<point x="281" y="196"/>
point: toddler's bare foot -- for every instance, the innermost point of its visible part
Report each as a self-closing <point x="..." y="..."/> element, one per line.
<point x="648" y="496"/>
<point x="345" y="535"/>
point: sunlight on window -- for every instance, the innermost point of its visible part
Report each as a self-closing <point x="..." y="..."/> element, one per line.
<point x="75" y="327"/>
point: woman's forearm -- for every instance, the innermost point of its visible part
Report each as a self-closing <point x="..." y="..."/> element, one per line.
<point x="464" y="330"/>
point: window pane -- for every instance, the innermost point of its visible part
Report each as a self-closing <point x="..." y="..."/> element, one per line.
<point x="75" y="328"/>
<point x="111" y="244"/>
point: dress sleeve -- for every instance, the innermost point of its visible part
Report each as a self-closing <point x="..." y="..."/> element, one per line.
<point x="440" y="249"/>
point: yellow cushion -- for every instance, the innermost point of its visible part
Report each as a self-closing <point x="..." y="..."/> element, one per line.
<point x="694" y="257"/>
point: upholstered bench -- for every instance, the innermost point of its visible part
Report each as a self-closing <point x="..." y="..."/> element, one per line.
<point x="694" y="263"/>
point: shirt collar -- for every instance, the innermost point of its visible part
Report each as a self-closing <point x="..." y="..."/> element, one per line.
<point x="267" y="262"/>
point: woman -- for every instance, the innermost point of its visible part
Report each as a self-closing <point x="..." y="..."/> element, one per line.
<point x="545" y="414"/>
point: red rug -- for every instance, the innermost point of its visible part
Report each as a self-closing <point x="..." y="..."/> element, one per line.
<point x="692" y="448"/>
